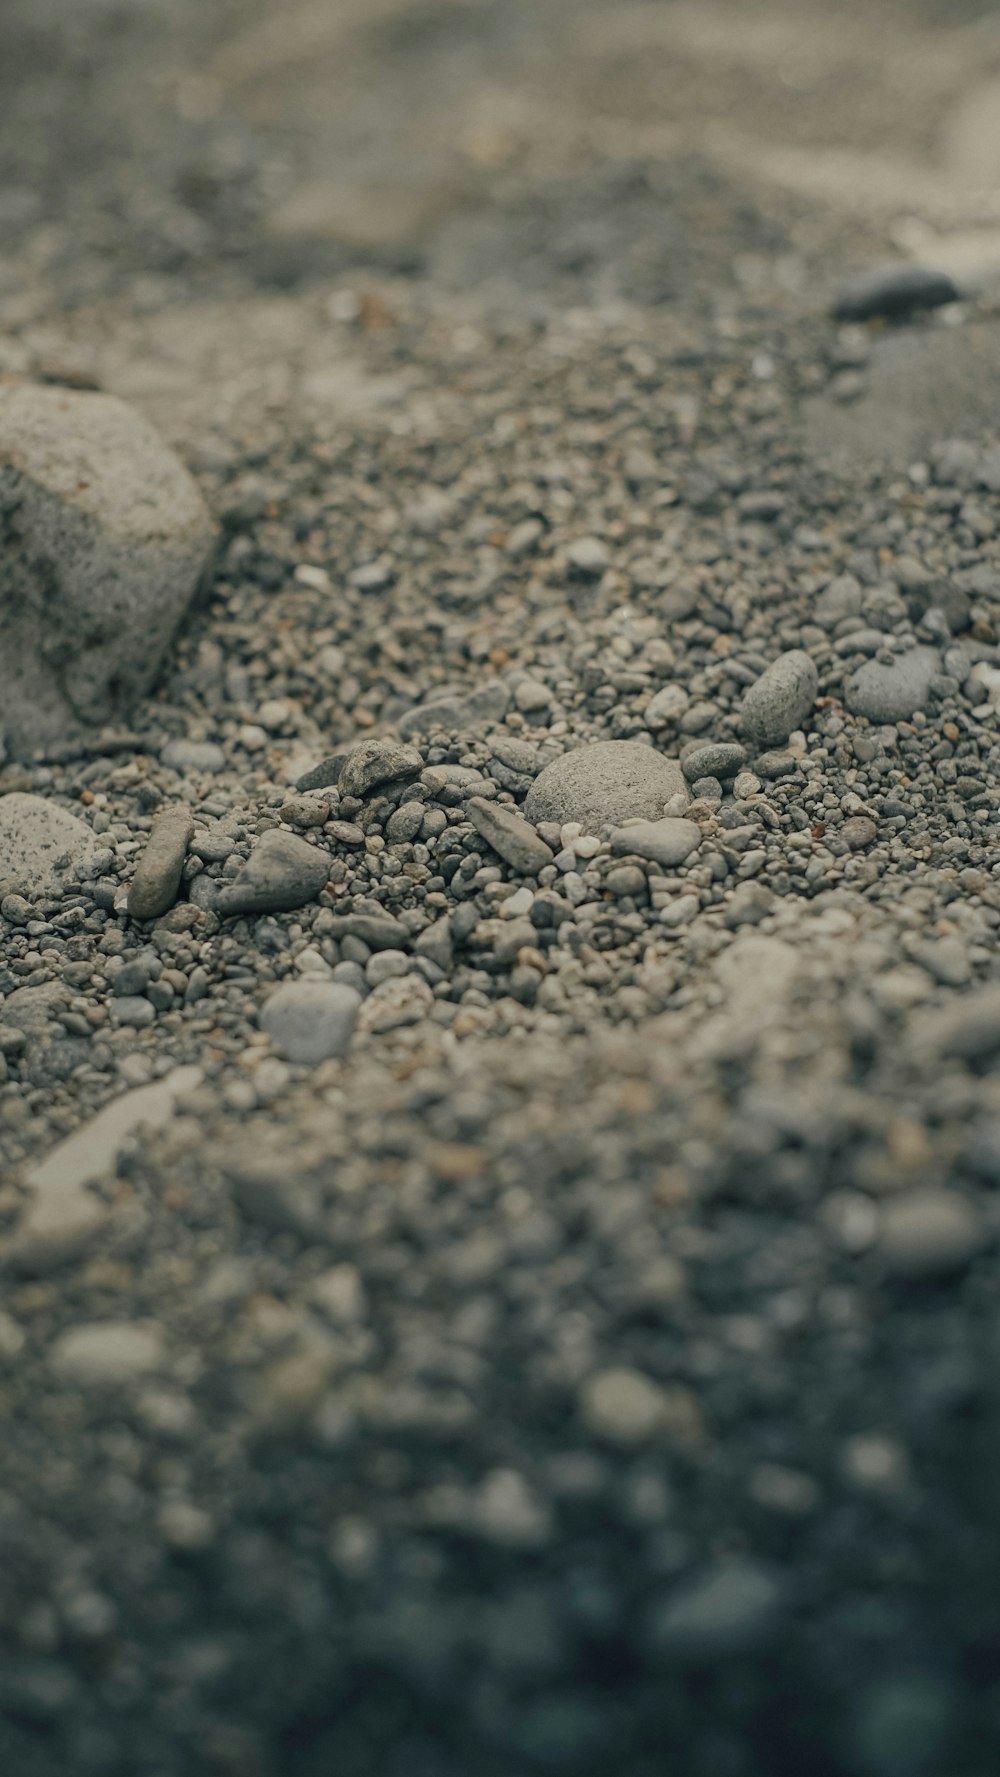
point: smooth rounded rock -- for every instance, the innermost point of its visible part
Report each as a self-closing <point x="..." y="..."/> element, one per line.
<point x="667" y="842"/>
<point x="309" y="1021"/>
<point x="608" y="782"/>
<point x="722" y="1612"/>
<point x="780" y="700"/>
<point x="891" y="693"/>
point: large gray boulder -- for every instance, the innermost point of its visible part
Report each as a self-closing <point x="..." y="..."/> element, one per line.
<point x="104" y="538"/>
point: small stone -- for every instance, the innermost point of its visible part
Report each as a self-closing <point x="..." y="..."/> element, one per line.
<point x="588" y="558"/>
<point x="892" y="291"/>
<point x="720" y="759"/>
<point x="891" y="693"/>
<point x="667" y="842"/>
<point x="666" y="707"/>
<point x="40" y="843"/>
<point x="270" y="1191"/>
<point x="606" y="782"/>
<point x="324" y="775"/>
<point x="725" y="1611"/>
<point x="113" y="539"/>
<point x="309" y="1021"/>
<point x="512" y="837"/>
<point x="158" y="873"/>
<point x="282" y="872"/>
<point x="928" y="1233"/>
<point x="374" y="762"/>
<point x="199" y="756"/>
<point x="107" y="1354"/>
<point x="780" y="700"/>
<point x="859" y="832"/>
<point x="622" y="1407"/>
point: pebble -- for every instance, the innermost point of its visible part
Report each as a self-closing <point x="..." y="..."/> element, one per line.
<point x="588" y="558"/>
<point x="111" y="522"/>
<point x="780" y="700"/>
<point x="282" y="872"/>
<point x="107" y="1354"/>
<point x="158" y="874"/>
<point x="374" y="762"/>
<point x="606" y="782"/>
<point x="892" y="692"/>
<point x="309" y="1021"/>
<point x="512" y="837"/>
<point x="721" y="759"/>
<point x="725" y="1611"/>
<point x="928" y="1233"/>
<point x="667" y="842"/>
<point x="40" y="843"/>
<point x="893" y="291"/>
<point x="859" y="832"/>
<point x="666" y="707"/>
<point x="324" y="775"/>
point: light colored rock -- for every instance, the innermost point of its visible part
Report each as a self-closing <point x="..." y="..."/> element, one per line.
<point x="40" y="843"/>
<point x="892" y="693"/>
<point x="929" y="1232"/>
<point x="604" y="784"/>
<point x="666" y="842"/>
<point x="377" y="761"/>
<point x="105" y="538"/>
<point x="309" y="1021"/>
<point x="622" y="1407"/>
<point x="107" y="1354"/>
<point x="62" y="1215"/>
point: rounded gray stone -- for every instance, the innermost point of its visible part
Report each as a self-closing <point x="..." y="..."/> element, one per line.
<point x="667" y="842"/>
<point x="106" y="540"/>
<point x="311" y="1020"/>
<point x="929" y="1232"/>
<point x="892" y="693"/>
<point x="780" y="700"/>
<point x="40" y="843"/>
<point x="158" y="873"/>
<point x="605" y="783"/>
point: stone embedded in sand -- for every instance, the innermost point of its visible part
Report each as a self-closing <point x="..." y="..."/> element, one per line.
<point x="104" y="538"/>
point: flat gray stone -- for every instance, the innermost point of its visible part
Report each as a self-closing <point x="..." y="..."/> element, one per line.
<point x="311" y="1020"/>
<point x="105" y="541"/>
<point x="604" y="784"/>
<point x="892" y="693"/>
<point x="512" y="837"/>
<point x="780" y="700"/>
<point x="282" y="872"/>
<point x="107" y="1354"/>
<point x="374" y="762"/>
<point x="158" y="873"/>
<point x="40" y="843"/>
<point x="719" y="759"/>
<point x="62" y="1215"/>
<point x="667" y="842"/>
<point x="928" y="1233"/>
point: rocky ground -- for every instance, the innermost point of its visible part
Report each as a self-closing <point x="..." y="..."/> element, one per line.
<point x="500" y="1235"/>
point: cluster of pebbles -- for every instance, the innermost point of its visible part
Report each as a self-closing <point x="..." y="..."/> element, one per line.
<point x="499" y="1222"/>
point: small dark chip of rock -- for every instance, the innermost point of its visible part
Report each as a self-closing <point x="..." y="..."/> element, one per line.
<point x="893" y="290"/>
